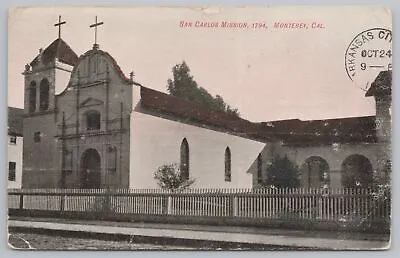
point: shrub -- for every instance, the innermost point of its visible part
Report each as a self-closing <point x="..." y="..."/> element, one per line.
<point x="282" y="173"/>
<point x="170" y="177"/>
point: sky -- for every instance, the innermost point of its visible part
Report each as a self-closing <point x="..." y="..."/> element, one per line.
<point x="267" y="73"/>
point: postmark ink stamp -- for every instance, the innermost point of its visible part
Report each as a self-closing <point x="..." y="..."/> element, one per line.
<point x="368" y="53"/>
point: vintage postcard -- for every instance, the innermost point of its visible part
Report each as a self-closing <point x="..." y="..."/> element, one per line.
<point x="199" y="128"/>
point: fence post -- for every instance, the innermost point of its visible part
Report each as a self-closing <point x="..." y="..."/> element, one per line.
<point x="62" y="202"/>
<point x="107" y="206"/>
<point x="165" y="204"/>
<point x="169" y="205"/>
<point x="233" y="208"/>
<point x="320" y="204"/>
<point x="21" y="201"/>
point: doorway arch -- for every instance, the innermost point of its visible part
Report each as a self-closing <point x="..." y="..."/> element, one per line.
<point x="315" y="172"/>
<point x="357" y="172"/>
<point x="90" y="169"/>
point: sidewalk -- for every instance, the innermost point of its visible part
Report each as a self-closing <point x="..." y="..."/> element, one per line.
<point x="244" y="235"/>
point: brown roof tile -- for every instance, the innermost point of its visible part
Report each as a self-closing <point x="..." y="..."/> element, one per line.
<point x="327" y="131"/>
<point x="293" y="131"/>
<point x="169" y="104"/>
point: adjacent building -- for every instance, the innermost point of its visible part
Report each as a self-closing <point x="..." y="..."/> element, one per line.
<point x="14" y="147"/>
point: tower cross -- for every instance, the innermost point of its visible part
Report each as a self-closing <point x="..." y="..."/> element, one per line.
<point x="59" y="25"/>
<point x="95" y="25"/>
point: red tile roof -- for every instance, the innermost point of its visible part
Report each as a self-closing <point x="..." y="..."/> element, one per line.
<point x="327" y="131"/>
<point x="57" y="49"/>
<point x="162" y="102"/>
<point x="293" y="132"/>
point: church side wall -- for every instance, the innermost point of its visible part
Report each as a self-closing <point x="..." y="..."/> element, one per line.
<point x="156" y="141"/>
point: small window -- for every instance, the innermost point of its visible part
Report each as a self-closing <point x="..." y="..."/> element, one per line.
<point x="37" y="136"/>
<point x="13" y="140"/>
<point x="93" y="120"/>
<point x="11" y="171"/>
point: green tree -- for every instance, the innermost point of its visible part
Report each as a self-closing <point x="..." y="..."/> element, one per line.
<point x="282" y="173"/>
<point x="169" y="177"/>
<point x="184" y="86"/>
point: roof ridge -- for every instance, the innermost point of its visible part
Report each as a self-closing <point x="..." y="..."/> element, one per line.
<point x="317" y="120"/>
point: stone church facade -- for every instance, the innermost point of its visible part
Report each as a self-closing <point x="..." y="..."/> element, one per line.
<point x="87" y="125"/>
<point x="83" y="128"/>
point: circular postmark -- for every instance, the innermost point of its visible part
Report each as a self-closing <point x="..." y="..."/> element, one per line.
<point x="369" y="53"/>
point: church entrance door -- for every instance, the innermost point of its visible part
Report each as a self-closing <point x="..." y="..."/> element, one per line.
<point x="90" y="169"/>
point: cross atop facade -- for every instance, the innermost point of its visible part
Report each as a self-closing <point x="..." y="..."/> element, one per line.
<point x="95" y="25"/>
<point x="59" y="25"/>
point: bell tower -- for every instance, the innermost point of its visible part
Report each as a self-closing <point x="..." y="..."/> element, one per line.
<point x="45" y="77"/>
<point x="381" y="90"/>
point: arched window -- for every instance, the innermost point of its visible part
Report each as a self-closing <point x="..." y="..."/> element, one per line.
<point x="32" y="97"/>
<point x="44" y="95"/>
<point x="228" y="162"/>
<point x="93" y="120"/>
<point x="185" y="159"/>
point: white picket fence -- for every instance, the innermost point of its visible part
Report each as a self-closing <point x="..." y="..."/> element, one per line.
<point x="349" y="205"/>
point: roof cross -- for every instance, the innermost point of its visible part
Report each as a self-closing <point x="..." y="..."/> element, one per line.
<point x="95" y="25"/>
<point x="59" y="25"/>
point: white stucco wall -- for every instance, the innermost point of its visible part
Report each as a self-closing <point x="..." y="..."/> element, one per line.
<point x="156" y="141"/>
<point x="15" y="155"/>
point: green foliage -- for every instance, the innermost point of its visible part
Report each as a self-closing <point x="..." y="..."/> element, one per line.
<point x="170" y="177"/>
<point x="184" y="86"/>
<point x="282" y="173"/>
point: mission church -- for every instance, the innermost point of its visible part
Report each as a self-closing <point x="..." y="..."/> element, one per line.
<point x="87" y="125"/>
